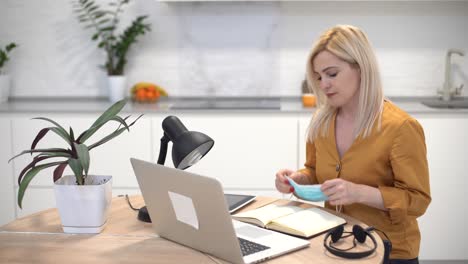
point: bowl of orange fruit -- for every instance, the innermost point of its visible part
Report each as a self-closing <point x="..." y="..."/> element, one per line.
<point x="146" y="92"/>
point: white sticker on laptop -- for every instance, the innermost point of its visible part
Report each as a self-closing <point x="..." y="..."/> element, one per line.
<point x="184" y="209"/>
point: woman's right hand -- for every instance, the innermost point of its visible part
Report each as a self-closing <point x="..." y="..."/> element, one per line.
<point x="281" y="183"/>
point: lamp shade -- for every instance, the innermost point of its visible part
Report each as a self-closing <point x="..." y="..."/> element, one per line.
<point x="188" y="147"/>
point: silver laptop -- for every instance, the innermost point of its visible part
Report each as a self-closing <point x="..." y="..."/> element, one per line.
<point x="191" y="210"/>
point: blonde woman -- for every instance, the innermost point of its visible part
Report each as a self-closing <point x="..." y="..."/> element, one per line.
<point x="369" y="155"/>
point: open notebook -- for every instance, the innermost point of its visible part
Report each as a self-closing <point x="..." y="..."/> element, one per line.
<point x="294" y="220"/>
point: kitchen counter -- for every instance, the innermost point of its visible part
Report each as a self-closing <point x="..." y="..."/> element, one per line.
<point x="193" y="104"/>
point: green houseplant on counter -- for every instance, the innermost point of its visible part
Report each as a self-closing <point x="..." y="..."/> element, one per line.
<point x="4" y="78"/>
<point x="82" y="199"/>
<point x="105" y="23"/>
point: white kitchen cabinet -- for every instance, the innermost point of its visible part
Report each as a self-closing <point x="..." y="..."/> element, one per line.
<point x="249" y="147"/>
<point x="42" y="198"/>
<point x="7" y="195"/>
<point x="447" y="153"/>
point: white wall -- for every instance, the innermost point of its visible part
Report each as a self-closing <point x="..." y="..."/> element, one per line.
<point x="231" y="48"/>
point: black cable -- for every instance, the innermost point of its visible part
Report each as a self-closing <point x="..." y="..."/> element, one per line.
<point x="387" y="245"/>
<point x="382" y="232"/>
<point x="128" y="201"/>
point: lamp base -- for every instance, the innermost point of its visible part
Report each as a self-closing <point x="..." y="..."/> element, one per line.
<point x="143" y="215"/>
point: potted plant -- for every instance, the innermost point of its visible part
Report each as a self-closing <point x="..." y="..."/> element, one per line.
<point x="4" y="78"/>
<point x="105" y="23"/>
<point x="82" y="199"/>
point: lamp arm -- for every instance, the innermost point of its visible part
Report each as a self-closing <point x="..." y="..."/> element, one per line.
<point x="163" y="149"/>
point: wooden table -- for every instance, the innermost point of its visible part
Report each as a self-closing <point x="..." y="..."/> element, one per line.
<point x="39" y="238"/>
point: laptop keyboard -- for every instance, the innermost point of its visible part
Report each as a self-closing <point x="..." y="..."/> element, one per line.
<point x="249" y="247"/>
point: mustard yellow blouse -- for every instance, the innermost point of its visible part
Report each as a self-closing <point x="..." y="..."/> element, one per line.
<point x="393" y="160"/>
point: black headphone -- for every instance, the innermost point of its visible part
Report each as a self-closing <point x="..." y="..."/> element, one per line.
<point x="360" y="234"/>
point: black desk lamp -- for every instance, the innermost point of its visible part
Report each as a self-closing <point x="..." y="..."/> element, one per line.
<point x="188" y="147"/>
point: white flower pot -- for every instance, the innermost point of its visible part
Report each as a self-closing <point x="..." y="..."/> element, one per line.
<point x="4" y="88"/>
<point x="117" y="88"/>
<point x="83" y="208"/>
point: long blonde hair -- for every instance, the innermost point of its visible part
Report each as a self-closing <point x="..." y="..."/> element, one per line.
<point x="350" y="44"/>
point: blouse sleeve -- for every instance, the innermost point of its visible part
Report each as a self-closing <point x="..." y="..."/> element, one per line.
<point x="410" y="194"/>
<point x="309" y="169"/>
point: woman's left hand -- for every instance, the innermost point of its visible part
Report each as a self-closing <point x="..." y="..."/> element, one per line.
<point x="341" y="192"/>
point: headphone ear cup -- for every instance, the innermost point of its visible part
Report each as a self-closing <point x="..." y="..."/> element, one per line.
<point x="336" y="233"/>
<point x="359" y="233"/>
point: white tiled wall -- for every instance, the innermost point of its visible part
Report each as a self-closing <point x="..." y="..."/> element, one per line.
<point x="231" y="48"/>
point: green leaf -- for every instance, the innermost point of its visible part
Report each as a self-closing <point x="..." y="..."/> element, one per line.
<point x="30" y="165"/>
<point x="75" y="165"/>
<point x="65" y="136"/>
<point x="125" y="122"/>
<point x="27" y="179"/>
<point x="121" y="121"/>
<point x="110" y="113"/>
<point x="93" y="9"/>
<point x="107" y="138"/>
<point x="95" y="36"/>
<point x="51" y="150"/>
<point x="112" y="135"/>
<point x="72" y="135"/>
<point x="59" y="130"/>
<point x="134" y="121"/>
<point x="98" y="14"/>
<point x="51" y="121"/>
<point x="55" y="155"/>
<point x="127" y="39"/>
<point x="88" y="5"/>
<point x="105" y="20"/>
<point x="83" y="156"/>
<point x="109" y="28"/>
<point x="10" y="46"/>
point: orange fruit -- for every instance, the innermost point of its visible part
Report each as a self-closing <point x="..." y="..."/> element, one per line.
<point x="146" y="92"/>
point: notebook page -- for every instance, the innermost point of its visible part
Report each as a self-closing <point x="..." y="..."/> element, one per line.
<point x="310" y="221"/>
<point x="269" y="212"/>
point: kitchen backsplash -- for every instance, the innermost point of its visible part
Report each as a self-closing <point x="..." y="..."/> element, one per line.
<point x="231" y="48"/>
